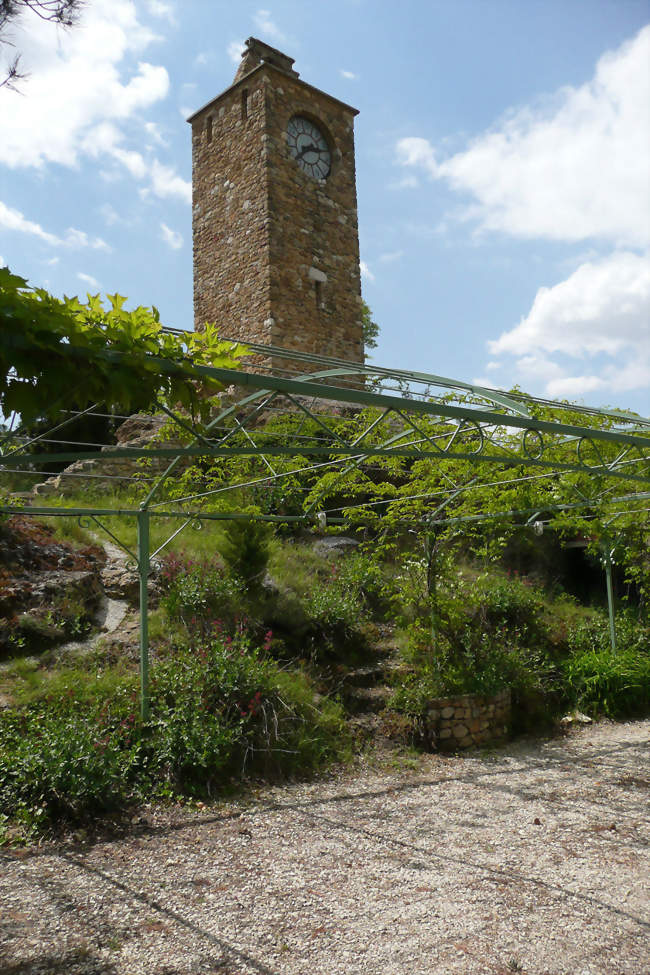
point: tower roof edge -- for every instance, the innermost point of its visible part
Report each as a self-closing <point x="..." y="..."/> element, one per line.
<point x="261" y="67"/>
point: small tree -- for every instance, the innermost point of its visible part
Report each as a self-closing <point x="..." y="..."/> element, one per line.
<point x="246" y="550"/>
<point x="370" y="328"/>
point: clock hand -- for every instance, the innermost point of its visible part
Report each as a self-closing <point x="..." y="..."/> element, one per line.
<point x="311" y="148"/>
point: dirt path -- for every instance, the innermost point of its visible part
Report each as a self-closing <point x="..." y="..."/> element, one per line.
<point x="531" y="859"/>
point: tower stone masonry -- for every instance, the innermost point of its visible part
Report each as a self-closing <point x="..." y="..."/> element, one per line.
<point x="274" y="218"/>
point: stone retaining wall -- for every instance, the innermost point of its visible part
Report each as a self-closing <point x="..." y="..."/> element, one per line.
<point x="468" y="720"/>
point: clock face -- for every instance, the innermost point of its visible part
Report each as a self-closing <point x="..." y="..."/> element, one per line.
<point x="309" y="147"/>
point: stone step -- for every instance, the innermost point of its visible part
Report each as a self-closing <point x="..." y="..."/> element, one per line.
<point x="374" y="673"/>
<point x="366" y="700"/>
<point x="365" y="727"/>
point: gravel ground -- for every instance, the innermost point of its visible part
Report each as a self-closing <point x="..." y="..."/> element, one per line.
<point x="533" y="858"/>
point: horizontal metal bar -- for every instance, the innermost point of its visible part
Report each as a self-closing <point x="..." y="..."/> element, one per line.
<point x="42" y="512"/>
<point x="556" y="508"/>
<point x="277" y="450"/>
<point x="56" y="512"/>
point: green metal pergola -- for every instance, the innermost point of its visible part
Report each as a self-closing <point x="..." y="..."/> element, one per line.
<point x="406" y="415"/>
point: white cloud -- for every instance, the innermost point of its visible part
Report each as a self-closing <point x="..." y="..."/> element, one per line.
<point x="14" y="220"/>
<point x="79" y="96"/>
<point x="203" y="58"/>
<point x="602" y="307"/>
<point x="573" y="169"/>
<point x="267" y="26"/>
<point x="416" y="151"/>
<point x="166" y="182"/>
<point x="234" y="50"/>
<point x="76" y="84"/>
<point x="153" y="131"/>
<point x="349" y="75"/>
<point x="111" y="216"/>
<point x="391" y="256"/>
<point x="163" y="9"/>
<point x="575" y="387"/>
<point x="79" y="238"/>
<point x="171" y="237"/>
<point x="366" y="272"/>
<point x="599" y="315"/>
<point x="105" y="141"/>
<point x="88" y="279"/>
<point x="11" y="219"/>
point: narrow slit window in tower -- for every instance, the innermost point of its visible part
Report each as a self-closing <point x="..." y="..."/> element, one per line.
<point x="318" y="292"/>
<point x="244" y="104"/>
<point x="208" y="129"/>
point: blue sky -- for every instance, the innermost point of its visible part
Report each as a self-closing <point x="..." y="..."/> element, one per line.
<point x="503" y="170"/>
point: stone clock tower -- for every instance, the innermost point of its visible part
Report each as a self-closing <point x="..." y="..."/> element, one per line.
<point x="276" y="247"/>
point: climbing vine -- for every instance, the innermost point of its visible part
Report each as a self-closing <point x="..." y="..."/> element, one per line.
<point x="62" y="349"/>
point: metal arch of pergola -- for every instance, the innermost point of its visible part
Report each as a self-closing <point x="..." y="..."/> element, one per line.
<point x="401" y="414"/>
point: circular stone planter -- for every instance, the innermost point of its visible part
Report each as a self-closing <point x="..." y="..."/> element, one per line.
<point x="468" y="720"/>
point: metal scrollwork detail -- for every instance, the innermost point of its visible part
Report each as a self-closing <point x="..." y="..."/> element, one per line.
<point x="85" y="522"/>
<point x="535" y="449"/>
<point x="481" y="436"/>
<point x="132" y="565"/>
<point x="581" y="459"/>
<point x="196" y="524"/>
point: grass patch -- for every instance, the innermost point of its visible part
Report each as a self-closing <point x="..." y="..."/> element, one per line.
<point x="297" y="567"/>
<point x="597" y="679"/>
<point x="69" y="530"/>
<point x="201" y="542"/>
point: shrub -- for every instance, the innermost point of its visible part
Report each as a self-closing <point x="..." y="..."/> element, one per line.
<point x="614" y="684"/>
<point x="63" y="760"/>
<point x="224" y="705"/>
<point x="494" y="632"/>
<point x="336" y="611"/>
<point x="362" y="577"/>
<point x="332" y="611"/>
<point x="479" y="636"/>
<point x="218" y="710"/>
<point x="194" y="588"/>
<point x="601" y="681"/>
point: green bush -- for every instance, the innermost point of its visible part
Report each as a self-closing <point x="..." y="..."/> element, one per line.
<point x="362" y="577"/>
<point x="219" y="710"/>
<point x="601" y="681"/>
<point x="333" y="612"/>
<point x="476" y="635"/>
<point x="63" y="760"/>
<point x="493" y="631"/>
<point x="196" y="589"/>
<point x="336" y="608"/>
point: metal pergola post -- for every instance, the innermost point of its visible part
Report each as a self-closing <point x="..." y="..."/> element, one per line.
<point x="607" y="562"/>
<point x="143" y="570"/>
